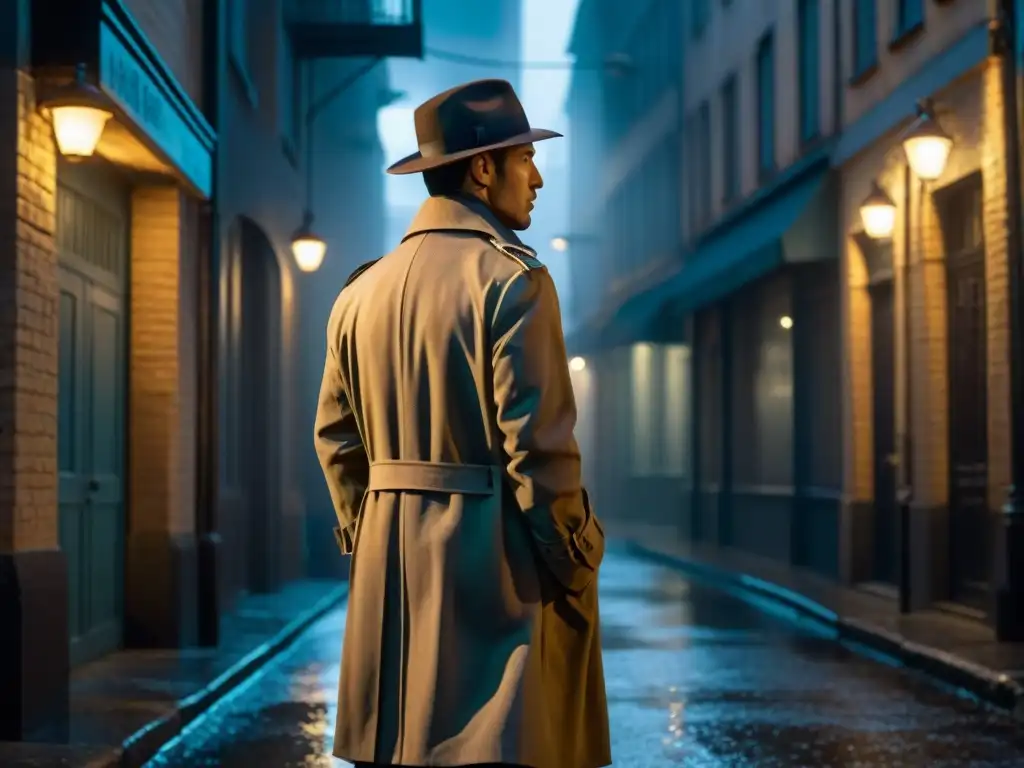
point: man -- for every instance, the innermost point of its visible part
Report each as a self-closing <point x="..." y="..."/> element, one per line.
<point x="445" y="430"/>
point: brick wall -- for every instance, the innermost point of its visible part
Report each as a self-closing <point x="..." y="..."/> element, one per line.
<point x="995" y="222"/>
<point x="29" y="326"/>
<point x="162" y="364"/>
<point x="971" y="112"/>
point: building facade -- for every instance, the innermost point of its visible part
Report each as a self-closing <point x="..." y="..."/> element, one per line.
<point x="925" y="306"/>
<point x="101" y="261"/>
<point x="624" y="108"/>
<point x="761" y="278"/>
<point x="155" y="373"/>
<point x="847" y="296"/>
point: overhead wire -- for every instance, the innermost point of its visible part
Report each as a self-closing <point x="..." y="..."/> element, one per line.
<point x="480" y="61"/>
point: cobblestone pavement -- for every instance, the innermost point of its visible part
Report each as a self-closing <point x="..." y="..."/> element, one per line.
<point x="695" y="678"/>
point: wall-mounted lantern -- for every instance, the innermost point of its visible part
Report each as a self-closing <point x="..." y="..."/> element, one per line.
<point x="927" y="147"/>
<point x="308" y="248"/>
<point x="79" y="112"/>
<point x="878" y="213"/>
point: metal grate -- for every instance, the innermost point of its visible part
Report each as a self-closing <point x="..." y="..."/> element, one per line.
<point x="90" y="232"/>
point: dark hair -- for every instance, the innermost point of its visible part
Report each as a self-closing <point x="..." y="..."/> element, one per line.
<point x="447" y="180"/>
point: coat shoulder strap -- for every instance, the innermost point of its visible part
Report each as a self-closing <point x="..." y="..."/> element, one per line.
<point x="525" y="257"/>
<point x="358" y="271"/>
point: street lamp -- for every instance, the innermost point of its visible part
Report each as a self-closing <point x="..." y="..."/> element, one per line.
<point x="577" y="364"/>
<point x="878" y="213"/>
<point x="927" y="149"/>
<point x="79" y="112"/>
<point x="308" y="248"/>
<point x="559" y="244"/>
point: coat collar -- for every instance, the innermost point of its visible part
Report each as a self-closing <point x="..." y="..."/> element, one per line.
<point x="460" y="213"/>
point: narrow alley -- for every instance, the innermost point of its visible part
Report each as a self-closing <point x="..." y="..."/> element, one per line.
<point x="695" y="678"/>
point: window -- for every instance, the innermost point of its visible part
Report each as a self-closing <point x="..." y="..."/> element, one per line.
<point x="909" y="15"/>
<point x="865" y="43"/>
<point x="766" y="104"/>
<point x="704" y="161"/>
<point x="239" y="32"/>
<point x="730" y="141"/>
<point x="699" y="12"/>
<point x="809" y="62"/>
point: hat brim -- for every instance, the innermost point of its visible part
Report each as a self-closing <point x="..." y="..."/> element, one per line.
<point x="416" y="163"/>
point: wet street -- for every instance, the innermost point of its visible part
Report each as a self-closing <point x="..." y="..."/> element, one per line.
<point x="695" y="678"/>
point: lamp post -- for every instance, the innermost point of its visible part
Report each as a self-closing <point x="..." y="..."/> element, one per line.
<point x="308" y="248"/>
<point x="926" y="148"/>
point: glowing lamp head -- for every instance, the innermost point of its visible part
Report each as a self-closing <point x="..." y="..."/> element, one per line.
<point x="78" y="130"/>
<point x="927" y="147"/>
<point x="308" y="248"/>
<point x="577" y="364"/>
<point x="878" y="214"/>
<point x="559" y="244"/>
<point x="79" y="112"/>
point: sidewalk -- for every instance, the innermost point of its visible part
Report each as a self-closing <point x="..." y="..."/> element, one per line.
<point x="951" y="649"/>
<point x="126" y="706"/>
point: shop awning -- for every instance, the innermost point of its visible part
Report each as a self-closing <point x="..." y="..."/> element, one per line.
<point x="796" y="223"/>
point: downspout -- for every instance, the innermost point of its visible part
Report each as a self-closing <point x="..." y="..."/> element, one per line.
<point x="208" y="421"/>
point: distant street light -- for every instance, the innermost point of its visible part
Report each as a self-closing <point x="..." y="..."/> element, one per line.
<point x="577" y="364"/>
<point x="559" y="244"/>
<point x="79" y="112"/>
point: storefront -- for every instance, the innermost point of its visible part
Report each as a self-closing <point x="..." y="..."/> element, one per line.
<point x="926" y="310"/>
<point x="131" y="168"/>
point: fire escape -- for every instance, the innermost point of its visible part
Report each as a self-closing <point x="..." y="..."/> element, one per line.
<point x="331" y="29"/>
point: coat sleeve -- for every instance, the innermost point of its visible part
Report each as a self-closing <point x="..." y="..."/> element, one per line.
<point x="536" y="413"/>
<point x="340" y="448"/>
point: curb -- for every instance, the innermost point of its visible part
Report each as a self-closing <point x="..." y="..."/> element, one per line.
<point x="143" y="745"/>
<point x="859" y="636"/>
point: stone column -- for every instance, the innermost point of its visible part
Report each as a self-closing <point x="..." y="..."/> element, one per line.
<point x="33" y="573"/>
<point x="161" y="570"/>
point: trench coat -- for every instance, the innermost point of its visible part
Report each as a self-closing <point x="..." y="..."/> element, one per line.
<point x="445" y="431"/>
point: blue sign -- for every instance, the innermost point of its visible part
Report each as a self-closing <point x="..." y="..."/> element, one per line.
<point x="124" y="78"/>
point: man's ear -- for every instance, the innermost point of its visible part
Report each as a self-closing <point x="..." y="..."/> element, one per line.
<point x="481" y="169"/>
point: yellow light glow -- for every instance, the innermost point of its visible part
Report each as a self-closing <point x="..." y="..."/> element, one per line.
<point x="786" y="322"/>
<point x="927" y="154"/>
<point x="559" y="244"/>
<point x="577" y="364"/>
<point x="879" y="219"/>
<point x="309" y="252"/>
<point x="78" y="129"/>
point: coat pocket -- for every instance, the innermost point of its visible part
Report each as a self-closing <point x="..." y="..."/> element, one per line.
<point x="588" y="539"/>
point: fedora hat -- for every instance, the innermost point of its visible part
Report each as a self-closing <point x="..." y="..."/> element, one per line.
<point x="465" y="121"/>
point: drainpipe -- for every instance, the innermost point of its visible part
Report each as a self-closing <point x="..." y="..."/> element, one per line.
<point x="905" y="491"/>
<point x="1008" y="43"/>
<point x="838" y="81"/>
<point x="208" y="421"/>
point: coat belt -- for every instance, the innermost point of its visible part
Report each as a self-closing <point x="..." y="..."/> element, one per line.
<point x="429" y="476"/>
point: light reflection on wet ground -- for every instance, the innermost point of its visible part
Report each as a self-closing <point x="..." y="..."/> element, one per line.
<point x="695" y="678"/>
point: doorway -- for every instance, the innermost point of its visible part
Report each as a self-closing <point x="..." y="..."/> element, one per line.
<point x="258" y="402"/>
<point x="885" y="525"/>
<point x="93" y="217"/>
<point x="969" y="517"/>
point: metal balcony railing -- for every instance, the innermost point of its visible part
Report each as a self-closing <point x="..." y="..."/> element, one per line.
<point x="349" y="28"/>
